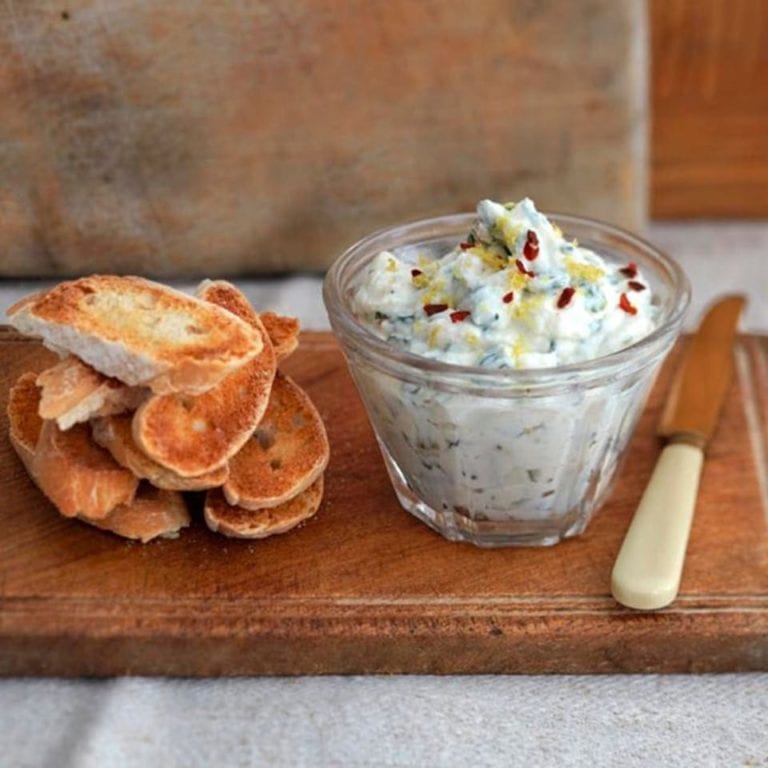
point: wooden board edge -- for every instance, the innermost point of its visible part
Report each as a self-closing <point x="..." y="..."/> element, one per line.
<point x="541" y="645"/>
<point x="203" y="638"/>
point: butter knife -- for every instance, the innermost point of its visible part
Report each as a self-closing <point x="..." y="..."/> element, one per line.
<point x="649" y="566"/>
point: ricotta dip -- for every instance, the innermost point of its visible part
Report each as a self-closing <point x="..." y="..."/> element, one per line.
<point x="514" y="294"/>
<point x="503" y="463"/>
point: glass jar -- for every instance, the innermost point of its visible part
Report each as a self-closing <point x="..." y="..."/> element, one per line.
<point x="503" y="457"/>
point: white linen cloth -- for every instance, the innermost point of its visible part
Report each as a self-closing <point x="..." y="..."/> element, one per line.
<point x="627" y="720"/>
<point x="633" y="721"/>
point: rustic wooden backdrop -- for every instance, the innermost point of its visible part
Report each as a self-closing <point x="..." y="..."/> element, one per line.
<point x="257" y="135"/>
<point x="190" y="136"/>
<point x="709" y="108"/>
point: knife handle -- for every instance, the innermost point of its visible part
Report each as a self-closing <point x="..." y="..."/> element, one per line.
<point x="647" y="571"/>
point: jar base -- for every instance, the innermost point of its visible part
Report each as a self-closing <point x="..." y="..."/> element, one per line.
<point x="457" y="527"/>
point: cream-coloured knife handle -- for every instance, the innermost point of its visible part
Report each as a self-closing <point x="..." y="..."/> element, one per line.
<point x="647" y="571"/>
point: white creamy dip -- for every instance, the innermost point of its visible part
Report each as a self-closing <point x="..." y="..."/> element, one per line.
<point x="503" y="463"/>
<point x="514" y="294"/>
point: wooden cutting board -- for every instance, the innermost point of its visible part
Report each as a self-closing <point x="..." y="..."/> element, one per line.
<point x="365" y="588"/>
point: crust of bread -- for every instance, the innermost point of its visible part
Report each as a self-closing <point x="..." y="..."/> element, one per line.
<point x="24" y="424"/>
<point x="228" y="520"/>
<point x="192" y="436"/>
<point x="140" y="332"/>
<point x="288" y="451"/>
<point x="78" y="476"/>
<point x="283" y="332"/>
<point x="153" y="514"/>
<point x="73" y="392"/>
<point x="115" y="434"/>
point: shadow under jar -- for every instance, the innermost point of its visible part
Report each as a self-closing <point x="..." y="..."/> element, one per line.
<point x="503" y="457"/>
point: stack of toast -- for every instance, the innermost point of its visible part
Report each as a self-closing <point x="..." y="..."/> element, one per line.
<point x="158" y="393"/>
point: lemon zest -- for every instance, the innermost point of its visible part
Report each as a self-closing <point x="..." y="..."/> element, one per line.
<point x="435" y="293"/>
<point x="491" y="259"/>
<point x="516" y="350"/>
<point x="472" y="339"/>
<point x="527" y="306"/>
<point x="420" y="281"/>
<point x="509" y="231"/>
<point x="579" y="270"/>
<point x="516" y="280"/>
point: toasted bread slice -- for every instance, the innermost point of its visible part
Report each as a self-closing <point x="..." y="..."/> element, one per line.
<point x="240" y="523"/>
<point x="73" y="392"/>
<point x="69" y="468"/>
<point x="114" y="433"/>
<point x="24" y="424"/>
<point x="152" y="514"/>
<point x="194" y="435"/>
<point x="286" y="454"/>
<point x="78" y="476"/>
<point x="283" y="332"/>
<point x="140" y="332"/>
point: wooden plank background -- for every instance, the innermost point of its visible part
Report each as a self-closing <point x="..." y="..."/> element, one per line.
<point x="196" y="137"/>
<point x="178" y="137"/>
<point x="709" y="142"/>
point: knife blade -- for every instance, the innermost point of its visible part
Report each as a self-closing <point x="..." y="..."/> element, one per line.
<point x="649" y="565"/>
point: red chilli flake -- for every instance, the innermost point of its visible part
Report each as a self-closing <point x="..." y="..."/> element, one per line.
<point x="462" y="314"/>
<point x="531" y="247"/>
<point x="416" y="272"/>
<point x="630" y="270"/>
<point x="565" y="297"/>
<point x="507" y="297"/>
<point x="522" y="270"/>
<point x="434" y="309"/>
<point x="635" y="286"/>
<point x="466" y="246"/>
<point x="625" y="304"/>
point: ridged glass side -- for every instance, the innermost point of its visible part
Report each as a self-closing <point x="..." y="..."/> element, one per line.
<point x="502" y="470"/>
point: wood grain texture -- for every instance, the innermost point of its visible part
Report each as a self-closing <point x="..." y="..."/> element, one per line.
<point x="365" y="588"/>
<point x="195" y="137"/>
<point x="710" y="108"/>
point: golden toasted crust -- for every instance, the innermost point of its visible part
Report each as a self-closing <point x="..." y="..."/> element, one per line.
<point x="152" y="514"/>
<point x="140" y="332"/>
<point x="286" y="454"/>
<point x="222" y="517"/>
<point x="24" y="303"/>
<point x="225" y="295"/>
<point x="194" y="435"/>
<point x="73" y="392"/>
<point x="283" y="333"/>
<point x="114" y="433"/>
<point x="78" y="476"/>
<point x="24" y="424"/>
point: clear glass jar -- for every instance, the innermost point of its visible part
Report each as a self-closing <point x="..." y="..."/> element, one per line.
<point x="503" y="457"/>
